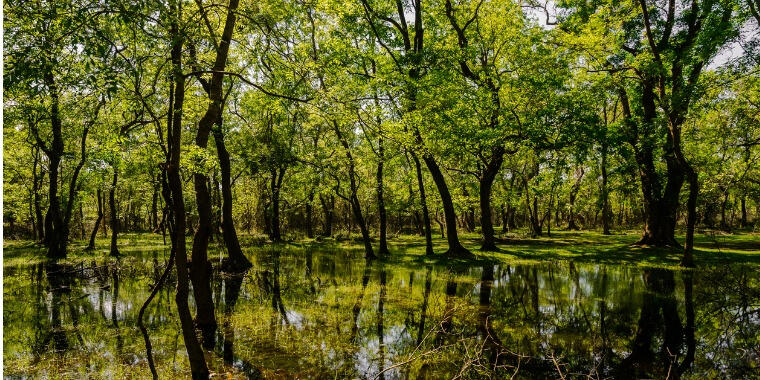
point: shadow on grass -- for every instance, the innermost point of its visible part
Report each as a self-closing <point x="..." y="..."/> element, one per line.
<point x="578" y="246"/>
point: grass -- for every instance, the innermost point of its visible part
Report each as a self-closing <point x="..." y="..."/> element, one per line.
<point x="578" y="246"/>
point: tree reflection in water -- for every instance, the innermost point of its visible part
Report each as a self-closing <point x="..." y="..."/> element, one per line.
<point x="325" y="314"/>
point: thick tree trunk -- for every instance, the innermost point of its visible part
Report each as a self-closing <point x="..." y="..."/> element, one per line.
<point x="383" y="248"/>
<point x="423" y="203"/>
<point x="486" y="184"/>
<point x="114" y="216"/>
<point x="54" y="234"/>
<point x="91" y="245"/>
<point x="195" y="355"/>
<point x="58" y="220"/>
<point x="328" y="208"/>
<point x="659" y="207"/>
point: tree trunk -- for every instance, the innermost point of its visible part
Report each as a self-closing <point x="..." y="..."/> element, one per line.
<point x="200" y="272"/>
<point x="605" y="193"/>
<point x="309" y="214"/>
<point x="54" y="236"/>
<point x="36" y="182"/>
<point x="383" y="248"/>
<point x="486" y="184"/>
<point x="455" y="247"/>
<point x="91" y="245"/>
<point x="237" y="261"/>
<point x="691" y="215"/>
<point x="723" y="222"/>
<point x="573" y="195"/>
<point x="354" y="199"/>
<point x="275" y="184"/>
<point x="114" y="216"/>
<point x="154" y="210"/>
<point x="327" y="209"/>
<point x="659" y="207"/>
<point x="423" y="203"/>
<point x="174" y="198"/>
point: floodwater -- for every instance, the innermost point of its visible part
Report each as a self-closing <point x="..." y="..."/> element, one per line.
<point x="329" y="314"/>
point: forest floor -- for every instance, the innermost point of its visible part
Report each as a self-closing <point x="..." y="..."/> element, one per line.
<point x="711" y="248"/>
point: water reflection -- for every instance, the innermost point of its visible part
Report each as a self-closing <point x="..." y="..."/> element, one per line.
<point x="313" y="314"/>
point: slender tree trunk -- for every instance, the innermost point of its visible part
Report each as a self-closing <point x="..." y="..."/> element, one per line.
<point x="354" y="199"/>
<point x="275" y="184"/>
<point x="383" y="248"/>
<point x="691" y="212"/>
<point x="154" y="210"/>
<point x="455" y="247"/>
<point x="573" y="195"/>
<point x="200" y="272"/>
<point x="114" y="216"/>
<point x="198" y="366"/>
<point x="81" y="222"/>
<point x="91" y="245"/>
<point x="36" y="183"/>
<point x="423" y="312"/>
<point x="309" y="214"/>
<point x="605" y="193"/>
<point x="423" y="203"/>
<point x="380" y="324"/>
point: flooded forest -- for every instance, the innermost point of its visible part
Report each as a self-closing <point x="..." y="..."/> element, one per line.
<point x="380" y="189"/>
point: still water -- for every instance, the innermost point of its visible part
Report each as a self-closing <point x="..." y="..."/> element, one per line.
<point x="322" y="314"/>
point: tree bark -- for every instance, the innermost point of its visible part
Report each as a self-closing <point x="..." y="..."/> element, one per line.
<point x="659" y="206"/>
<point x="54" y="238"/>
<point x="174" y="198"/>
<point x="423" y="202"/>
<point x="36" y="182"/>
<point x="573" y="195"/>
<point x="354" y="198"/>
<point x="58" y="219"/>
<point x="114" y="216"/>
<point x="328" y="210"/>
<point x="455" y="247"/>
<point x="310" y="215"/>
<point x="91" y="245"/>
<point x="486" y="184"/>
<point x="154" y="210"/>
<point x="605" y="193"/>
<point x="275" y="185"/>
<point x="383" y="248"/>
<point x="200" y="272"/>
